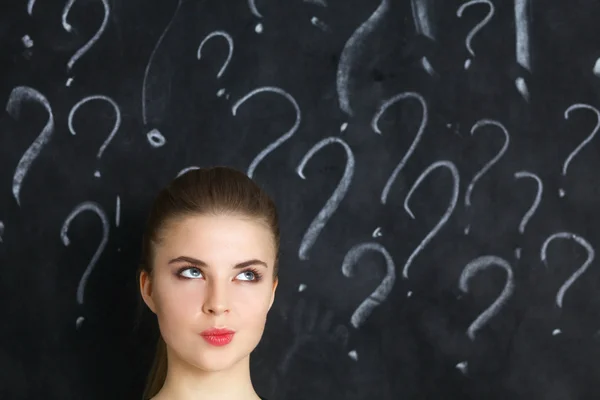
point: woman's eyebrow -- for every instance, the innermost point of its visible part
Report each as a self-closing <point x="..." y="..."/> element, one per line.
<point x="201" y="263"/>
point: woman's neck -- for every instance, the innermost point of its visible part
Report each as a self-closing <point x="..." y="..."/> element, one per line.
<point x="184" y="382"/>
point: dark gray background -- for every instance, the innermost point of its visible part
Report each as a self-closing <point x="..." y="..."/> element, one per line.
<point x="415" y="344"/>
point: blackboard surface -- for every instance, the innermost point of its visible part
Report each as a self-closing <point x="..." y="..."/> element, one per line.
<point x="434" y="164"/>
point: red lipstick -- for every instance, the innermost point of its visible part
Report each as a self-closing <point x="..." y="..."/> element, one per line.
<point x="217" y="336"/>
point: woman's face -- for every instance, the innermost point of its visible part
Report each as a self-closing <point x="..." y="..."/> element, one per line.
<point x="211" y="272"/>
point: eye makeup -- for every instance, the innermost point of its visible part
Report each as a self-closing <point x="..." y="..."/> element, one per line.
<point x="257" y="275"/>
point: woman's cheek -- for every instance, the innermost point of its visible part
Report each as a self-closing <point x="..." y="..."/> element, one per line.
<point x="255" y="294"/>
<point x="256" y="307"/>
<point x="182" y="301"/>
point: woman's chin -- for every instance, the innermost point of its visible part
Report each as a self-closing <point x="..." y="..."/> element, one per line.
<point x="215" y="361"/>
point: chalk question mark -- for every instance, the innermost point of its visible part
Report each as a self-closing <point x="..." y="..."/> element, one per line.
<point x="19" y="95"/>
<point x="318" y="223"/>
<point x="472" y="269"/>
<point x="588" y="139"/>
<point x="444" y="218"/>
<point x="569" y="282"/>
<point x="114" y="129"/>
<point x="94" y="207"/>
<point x="154" y="136"/>
<point x="286" y="136"/>
<point x="490" y="164"/>
<point x="477" y="27"/>
<point x="352" y="50"/>
<point x="534" y="206"/>
<point x="85" y="48"/>
<point x="226" y="63"/>
<point x="416" y="140"/>
<point x="382" y="291"/>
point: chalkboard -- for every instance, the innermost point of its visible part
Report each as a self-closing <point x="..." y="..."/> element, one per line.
<point x="434" y="164"/>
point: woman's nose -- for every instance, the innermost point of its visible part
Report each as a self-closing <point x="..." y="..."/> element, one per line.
<point x="216" y="301"/>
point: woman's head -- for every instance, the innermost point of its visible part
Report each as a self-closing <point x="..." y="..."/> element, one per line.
<point x="209" y="260"/>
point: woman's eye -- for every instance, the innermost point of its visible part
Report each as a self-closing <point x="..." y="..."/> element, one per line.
<point x="247" y="276"/>
<point x="191" y="273"/>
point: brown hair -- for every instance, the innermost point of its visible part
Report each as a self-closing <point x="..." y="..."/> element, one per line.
<point x="212" y="190"/>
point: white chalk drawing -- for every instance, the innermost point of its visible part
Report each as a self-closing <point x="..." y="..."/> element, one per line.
<point x="87" y="46"/>
<point x="534" y="205"/>
<point x="421" y="11"/>
<point x="319" y="24"/>
<point x="523" y="42"/>
<point x="588" y="139"/>
<point x="380" y="294"/>
<point x="27" y="41"/>
<point x="569" y="282"/>
<point x="463" y="367"/>
<point x="476" y="28"/>
<point x="375" y="125"/>
<point x="155" y="138"/>
<point x="18" y="96"/>
<point x="118" y="211"/>
<point x="472" y="269"/>
<point x="479" y="124"/>
<point x="229" y="40"/>
<point x="286" y="136"/>
<point x="115" y="127"/>
<point x="377" y="232"/>
<point x="150" y="60"/>
<point x="183" y="171"/>
<point x="253" y="9"/>
<point x="451" y="206"/>
<point x="353" y="355"/>
<point x="596" y="69"/>
<point x="536" y="201"/>
<point x="522" y="26"/>
<point x="95" y="208"/>
<point x="65" y="14"/>
<point x="352" y="49"/>
<point x="30" y="4"/>
<point x="521" y="86"/>
<point x="308" y="324"/>
<point x="318" y="223"/>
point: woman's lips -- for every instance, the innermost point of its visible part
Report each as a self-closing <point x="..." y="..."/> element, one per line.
<point x="218" y="336"/>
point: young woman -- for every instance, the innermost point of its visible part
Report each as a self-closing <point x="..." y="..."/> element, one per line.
<point x="209" y="274"/>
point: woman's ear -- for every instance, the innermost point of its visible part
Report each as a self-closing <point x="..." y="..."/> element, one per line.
<point x="275" y="283"/>
<point x="146" y="290"/>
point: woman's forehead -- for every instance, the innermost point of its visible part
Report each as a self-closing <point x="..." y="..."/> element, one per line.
<point x="211" y="233"/>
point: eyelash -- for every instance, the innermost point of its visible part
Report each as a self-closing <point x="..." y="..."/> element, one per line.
<point x="257" y="275"/>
